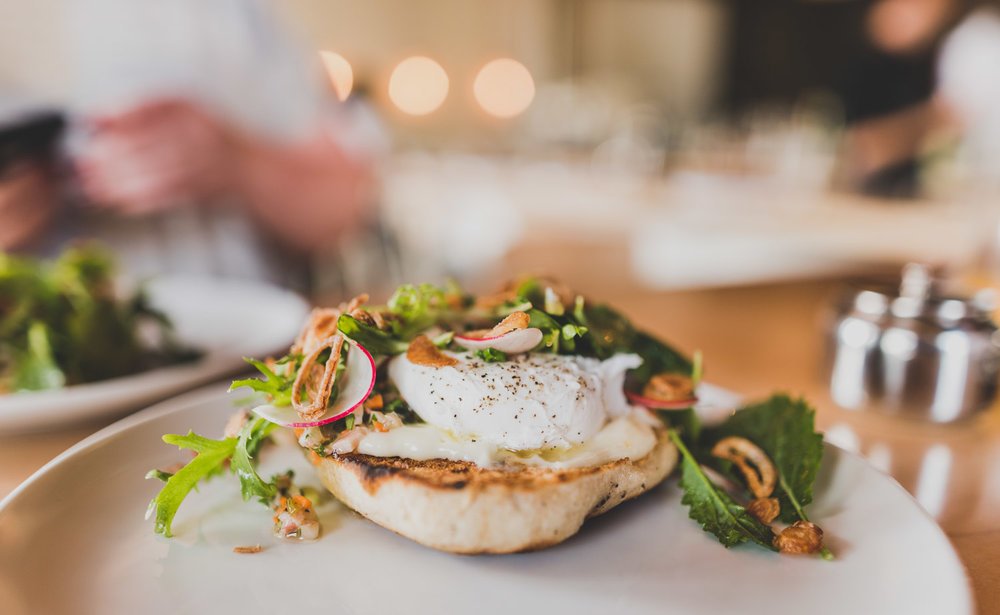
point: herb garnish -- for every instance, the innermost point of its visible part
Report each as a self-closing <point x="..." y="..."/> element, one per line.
<point x="210" y="460"/>
<point x="784" y="429"/>
<point x="713" y="508"/>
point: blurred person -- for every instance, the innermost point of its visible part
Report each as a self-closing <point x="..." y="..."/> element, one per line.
<point x="969" y="86"/>
<point x="205" y="138"/>
<point x="889" y="94"/>
<point x="27" y="171"/>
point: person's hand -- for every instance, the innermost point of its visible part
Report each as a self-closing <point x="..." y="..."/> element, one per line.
<point x="27" y="202"/>
<point x="155" y="156"/>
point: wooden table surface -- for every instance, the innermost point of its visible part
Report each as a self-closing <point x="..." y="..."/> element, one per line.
<point x="755" y="340"/>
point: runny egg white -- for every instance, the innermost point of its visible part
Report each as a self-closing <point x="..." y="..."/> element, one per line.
<point x="529" y="402"/>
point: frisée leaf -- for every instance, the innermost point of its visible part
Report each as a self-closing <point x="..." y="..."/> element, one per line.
<point x="210" y="456"/>
<point x="251" y="437"/>
<point x="277" y="387"/>
<point x="210" y="459"/>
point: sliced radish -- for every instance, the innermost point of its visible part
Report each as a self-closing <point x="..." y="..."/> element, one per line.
<point x="656" y="404"/>
<point x="354" y="385"/>
<point x="512" y="342"/>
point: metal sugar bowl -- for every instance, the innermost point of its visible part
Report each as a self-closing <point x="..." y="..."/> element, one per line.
<point x="914" y="350"/>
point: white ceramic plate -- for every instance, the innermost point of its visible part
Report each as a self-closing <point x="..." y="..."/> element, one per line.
<point x="73" y="539"/>
<point x="226" y="319"/>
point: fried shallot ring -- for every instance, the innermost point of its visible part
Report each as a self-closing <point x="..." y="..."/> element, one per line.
<point x="317" y="406"/>
<point x="762" y="476"/>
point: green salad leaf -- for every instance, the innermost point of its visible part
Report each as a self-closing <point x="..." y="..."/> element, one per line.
<point x="210" y="460"/>
<point x="714" y="509"/>
<point x="62" y="324"/>
<point x="784" y="429"/>
<point x="375" y="340"/>
<point x="491" y="355"/>
<point x="250" y="439"/>
<point x="277" y="387"/>
<point x="36" y="368"/>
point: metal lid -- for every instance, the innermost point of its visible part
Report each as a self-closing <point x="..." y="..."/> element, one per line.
<point x="920" y="296"/>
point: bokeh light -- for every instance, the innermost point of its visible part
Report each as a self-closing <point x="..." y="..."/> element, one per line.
<point x="340" y="72"/>
<point x="418" y="85"/>
<point x="504" y="88"/>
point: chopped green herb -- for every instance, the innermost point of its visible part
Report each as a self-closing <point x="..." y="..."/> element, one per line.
<point x="491" y="355"/>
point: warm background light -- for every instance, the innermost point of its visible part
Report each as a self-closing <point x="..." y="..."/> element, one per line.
<point x="340" y="72"/>
<point x="418" y="85"/>
<point x="504" y="88"/>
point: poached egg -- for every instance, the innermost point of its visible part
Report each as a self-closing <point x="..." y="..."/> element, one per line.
<point x="529" y="402"/>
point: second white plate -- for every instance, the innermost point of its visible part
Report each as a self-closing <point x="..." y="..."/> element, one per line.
<point x="226" y="319"/>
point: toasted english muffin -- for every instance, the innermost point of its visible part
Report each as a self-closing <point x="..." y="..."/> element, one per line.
<point x="460" y="507"/>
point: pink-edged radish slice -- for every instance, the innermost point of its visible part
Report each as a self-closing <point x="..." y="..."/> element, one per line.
<point x="656" y="404"/>
<point x="354" y="385"/>
<point x="512" y="342"/>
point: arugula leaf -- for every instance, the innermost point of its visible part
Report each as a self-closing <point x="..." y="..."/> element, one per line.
<point x="277" y="387"/>
<point x="714" y="509"/>
<point x="375" y="340"/>
<point x="784" y="429"/>
<point x="208" y="462"/>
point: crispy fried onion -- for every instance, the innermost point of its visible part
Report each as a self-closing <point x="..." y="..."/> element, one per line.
<point x="669" y="386"/>
<point x="422" y="351"/>
<point x="322" y="325"/>
<point x="752" y="462"/>
<point x="800" y="537"/>
<point x="513" y="322"/>
<point x="764" y="510"/>
<point x="319" y="395"/>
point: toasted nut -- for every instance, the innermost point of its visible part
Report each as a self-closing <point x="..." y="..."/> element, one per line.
<point x="422" y="351"/>
<point x="669" y="386"/>
<point x="516" y="320"/>
<point x="764" y="510"/>
<point x="761" y="476"/>
<point x="380" y="320"/>
<point x="801" y="537"/>
<point x="253" y="549"/>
